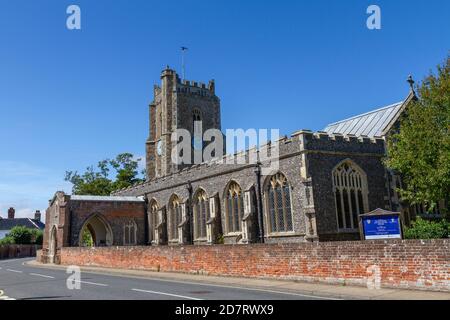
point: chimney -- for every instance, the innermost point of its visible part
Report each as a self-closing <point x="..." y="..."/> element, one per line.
<point x="37" y="215"/>
<point x="11" y="213"/>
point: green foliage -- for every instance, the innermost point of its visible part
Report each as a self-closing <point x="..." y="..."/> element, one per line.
<point x="7" y="240"/>
<point x="87" y="240"/>
<point x="37" y="236"/>
<point x="424" y="229"/>
<point x="420" y="151"/>
<point x="21" y="235"/>
<point x="98" y="182"/>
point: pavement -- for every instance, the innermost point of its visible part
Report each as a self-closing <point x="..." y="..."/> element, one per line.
<point x="27" y="279"/>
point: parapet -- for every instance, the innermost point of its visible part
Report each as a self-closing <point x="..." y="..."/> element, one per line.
<point x="322" y="139"/>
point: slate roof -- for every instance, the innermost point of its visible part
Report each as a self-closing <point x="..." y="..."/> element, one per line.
<point x="8" y="224"/>
<point x="371" y="124"/>
<point x="106" y="198"/>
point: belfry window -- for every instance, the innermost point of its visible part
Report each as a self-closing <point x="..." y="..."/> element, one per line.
<point x="350" y="193"/>
<point x="196" y="120"/>
<point x="201" y="214"/>
<point x="278" y="197"/>
<point x="129" y="233"/>
<point x="175" y="217"/>
<point x="234" y="204"/>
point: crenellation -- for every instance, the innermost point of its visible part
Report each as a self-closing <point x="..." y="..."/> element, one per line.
<point x="338" y="137"/>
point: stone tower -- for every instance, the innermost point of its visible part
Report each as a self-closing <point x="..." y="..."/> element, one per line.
<point x="177" y="104"/>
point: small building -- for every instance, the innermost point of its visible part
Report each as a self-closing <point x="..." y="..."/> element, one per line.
<point x="7" y="224"/>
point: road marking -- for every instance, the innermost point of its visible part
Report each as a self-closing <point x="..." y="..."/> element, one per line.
<point x="41" y="275"/>
<point x="203" y="284"/>
<point x="93" y="283"/>
<point x="166" y="294"/>
<point x="236" y="287"/>
<point x="12" y="270"/>
<point x="3" y="297"/>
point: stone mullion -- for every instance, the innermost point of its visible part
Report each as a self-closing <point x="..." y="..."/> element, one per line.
<point x="350" y="207"/>
<point x="344" y="220"/>
<point x="275" y="205"/>
<point x="283" y="202"/>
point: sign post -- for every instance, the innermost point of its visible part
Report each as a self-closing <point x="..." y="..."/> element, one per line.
<point x="380" y="224"/>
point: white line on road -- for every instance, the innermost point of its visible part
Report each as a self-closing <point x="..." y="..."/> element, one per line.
<point x="93" y="283"/>
<point x="12" y="270"/>
<point x="166" y="294"/>
<point x="41" y="275"/>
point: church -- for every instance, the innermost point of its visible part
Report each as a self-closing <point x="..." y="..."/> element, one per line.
<point x="323" y="181"/>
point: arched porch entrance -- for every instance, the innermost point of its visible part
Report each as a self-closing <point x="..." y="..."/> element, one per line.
<point x="96" y="232"/>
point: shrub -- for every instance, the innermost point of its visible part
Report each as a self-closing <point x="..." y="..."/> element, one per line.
<point x="424" y="229"/>
<point x="21" y="235"/>
<point x="37" y="236"/>
<point x="7" y="240"/>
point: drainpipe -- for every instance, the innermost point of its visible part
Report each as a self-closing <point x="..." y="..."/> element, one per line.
<point x="189" y="209"/>
<point x="259" y="203"/>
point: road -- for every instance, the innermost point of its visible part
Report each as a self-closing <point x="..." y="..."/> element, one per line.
<point x="20" y="281"/>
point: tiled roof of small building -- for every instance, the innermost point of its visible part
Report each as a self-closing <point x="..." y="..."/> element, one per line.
<point x="371" y="124"/>
<point x="8" y="224"/>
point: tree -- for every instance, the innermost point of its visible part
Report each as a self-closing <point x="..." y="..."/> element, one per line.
<point x="37" y="236"/>
<point x="420" y="150"/>
<point x="98" y="181"/>
<point x="21" y="235"/>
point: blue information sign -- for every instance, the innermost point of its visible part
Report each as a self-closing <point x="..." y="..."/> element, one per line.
<point x="381" y="227"/>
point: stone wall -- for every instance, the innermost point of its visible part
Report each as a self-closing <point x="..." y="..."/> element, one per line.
<point x="409" y="264"/>
<point x="12" y="251"/>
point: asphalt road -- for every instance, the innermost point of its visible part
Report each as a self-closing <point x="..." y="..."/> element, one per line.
<point x="20" y="281"/>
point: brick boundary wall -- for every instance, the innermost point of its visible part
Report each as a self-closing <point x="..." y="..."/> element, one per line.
<point x="12" y="251"/>
<point x="408" y="264"/>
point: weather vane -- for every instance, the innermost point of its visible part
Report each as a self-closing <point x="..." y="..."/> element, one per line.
<point x="183" y="51"/>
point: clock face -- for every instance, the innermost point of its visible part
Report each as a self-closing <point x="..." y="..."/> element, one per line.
<point x="159" y="147"/>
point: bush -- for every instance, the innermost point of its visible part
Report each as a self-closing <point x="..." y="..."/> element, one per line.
<point x="7" y="240"/>
<point x="21" y="235"/>
<point x="37" y="236"/>
<point x="424" y="229"/>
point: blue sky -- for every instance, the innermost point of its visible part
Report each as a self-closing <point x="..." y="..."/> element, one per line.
<point x="71" y="98"/>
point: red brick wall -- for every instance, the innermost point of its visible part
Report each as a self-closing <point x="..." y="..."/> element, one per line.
<point x="11" y="251"/>
<point x="411" y="264"/>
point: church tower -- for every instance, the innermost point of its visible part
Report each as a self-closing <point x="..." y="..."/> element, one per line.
<point x="177" y="104"/>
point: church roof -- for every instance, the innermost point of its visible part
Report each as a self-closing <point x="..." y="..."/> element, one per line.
<point x="8" y="224"/>
<point x="371" y="124"/>
<point x="107" y="198"/>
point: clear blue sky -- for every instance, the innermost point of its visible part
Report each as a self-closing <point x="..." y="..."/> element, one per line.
<point x="71" y="98"/>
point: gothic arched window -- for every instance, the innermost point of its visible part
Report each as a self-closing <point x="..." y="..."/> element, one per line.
<point x="129" y="233"/>
<point x="234" y="204"/>
<point x="350" y="194"/>
<point x="196" y="119"/>
<point x="201" y="214"/>
<point x="174" y="217"/>
<point x="278" y="195"/>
